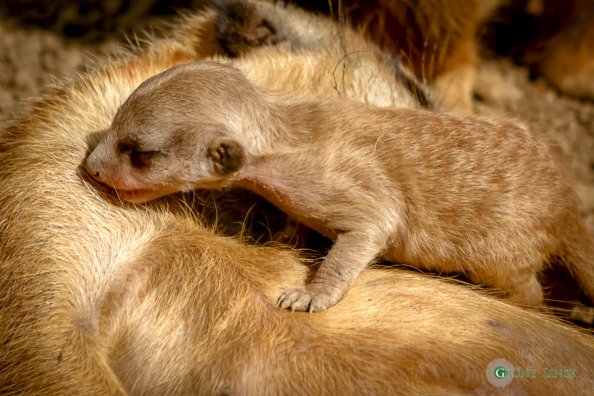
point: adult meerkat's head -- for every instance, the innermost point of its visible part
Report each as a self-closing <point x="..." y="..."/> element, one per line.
<point x="179" y="130"/>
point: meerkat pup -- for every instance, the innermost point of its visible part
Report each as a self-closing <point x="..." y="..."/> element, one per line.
<point x="442" y="192"/>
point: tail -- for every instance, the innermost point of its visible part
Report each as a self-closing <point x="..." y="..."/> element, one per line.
<point x="578" y="257"/>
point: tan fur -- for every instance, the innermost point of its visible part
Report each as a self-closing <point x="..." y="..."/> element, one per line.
<point x="437" y="191"/>
<point x="101" y="299"/>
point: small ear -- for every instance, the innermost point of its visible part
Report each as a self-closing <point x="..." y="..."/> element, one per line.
<point x="240" y="26"/>
<point x="228" y="156"/>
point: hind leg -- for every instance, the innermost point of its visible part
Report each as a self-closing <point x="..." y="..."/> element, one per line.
<point x="526" y="290"/>
<point x="521" y="288"/>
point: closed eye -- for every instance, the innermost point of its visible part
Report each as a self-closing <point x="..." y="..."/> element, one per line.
<point x="126" y="147"/>
<point x="139" y="156"/>
<point x="143" y="159"/>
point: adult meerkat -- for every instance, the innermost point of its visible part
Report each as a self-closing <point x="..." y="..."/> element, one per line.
<point x="442" y="192"/>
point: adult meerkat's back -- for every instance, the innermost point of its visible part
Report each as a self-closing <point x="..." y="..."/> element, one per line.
<point x="443" y="192"/>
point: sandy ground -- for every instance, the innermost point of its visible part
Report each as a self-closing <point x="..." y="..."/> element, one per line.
<point x="31" y="59"/>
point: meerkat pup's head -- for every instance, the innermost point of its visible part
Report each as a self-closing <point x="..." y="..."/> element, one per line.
<point x="185" y="128"/>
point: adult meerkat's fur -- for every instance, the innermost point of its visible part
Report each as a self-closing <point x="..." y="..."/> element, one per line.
<point x="242" y="26"/>
<point x="442" y="192"/>
<point x="101" y="299"/>
<point x="437" y="39"/>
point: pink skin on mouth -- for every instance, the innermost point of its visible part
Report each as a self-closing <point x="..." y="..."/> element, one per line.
<point x="115" y="182"/>
<point x="137" y="195"/>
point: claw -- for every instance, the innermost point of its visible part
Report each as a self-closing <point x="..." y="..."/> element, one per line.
<point x="306" y="300"/>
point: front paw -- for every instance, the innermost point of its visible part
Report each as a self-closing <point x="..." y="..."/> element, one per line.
<point x="308" y="299"/>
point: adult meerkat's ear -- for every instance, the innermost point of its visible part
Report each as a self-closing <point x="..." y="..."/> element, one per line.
<point x="227" y="155"/>
<point x="240" y="25"/>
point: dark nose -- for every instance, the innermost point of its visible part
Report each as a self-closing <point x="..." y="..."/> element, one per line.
<point x="95" y="174"/>
<point x="91" y="167"/>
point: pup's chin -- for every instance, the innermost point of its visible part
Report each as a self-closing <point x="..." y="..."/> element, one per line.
<point x="140" y="195"/>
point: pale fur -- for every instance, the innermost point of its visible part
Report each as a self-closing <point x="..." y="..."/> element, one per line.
<point x="101" y="299"/>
